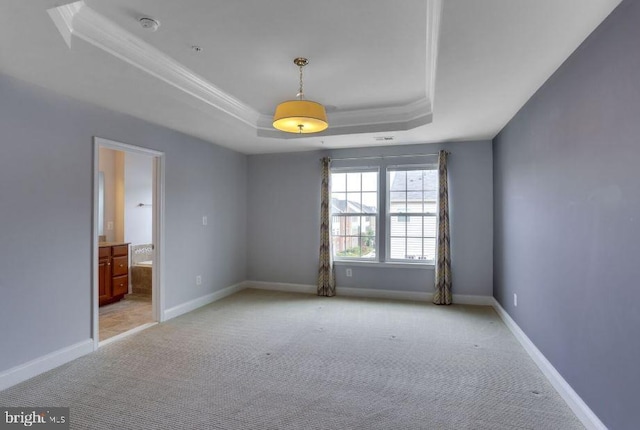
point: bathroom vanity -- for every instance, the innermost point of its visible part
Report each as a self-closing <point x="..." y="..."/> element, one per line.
<point x="113" y="271"/>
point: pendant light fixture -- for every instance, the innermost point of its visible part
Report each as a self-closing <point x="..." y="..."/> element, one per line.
<point x="300" y="116"/>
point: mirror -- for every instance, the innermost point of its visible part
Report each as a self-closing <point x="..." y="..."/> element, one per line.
<point x="100" y="203"/>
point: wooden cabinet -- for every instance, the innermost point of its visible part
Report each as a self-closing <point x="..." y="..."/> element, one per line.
<point x="104" y="274"/>
<point x="113" y="272"/>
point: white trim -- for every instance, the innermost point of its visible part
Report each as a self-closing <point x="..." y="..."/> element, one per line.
<point x="384" y="265"/>
<point x="474" y="300"/>
<point x="95" y="290"/>
<point x="79" y="20"/>
<point x="369" y="293"/>
<point x="120" y="146"/>
<point x="396" y="114"/>
<point x="62" y="17"/>
<point x="280" y="286"/>
<point x="202" y="301"/>
<point x="588" y="418"/>
<point x="458" y="299"/>
<point x="127" y="333"/>
<point x="35" y="367"/>
<point x="384" y="294"/>
<point x="52" y="360"/>
<point x="434" y="15"/>
<point x="157" y="272"/>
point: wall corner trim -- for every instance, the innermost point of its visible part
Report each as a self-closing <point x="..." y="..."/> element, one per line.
<point x="42" y="364"/>
<point x="202" y="301"/>
<point x="588" y="418"/>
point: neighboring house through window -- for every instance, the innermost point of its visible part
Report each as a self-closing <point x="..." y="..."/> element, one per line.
<point x="354" y="214"/>
<point x="411" y="201"/>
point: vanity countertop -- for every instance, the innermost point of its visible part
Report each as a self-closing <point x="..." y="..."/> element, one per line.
<point x="101" y="244"/>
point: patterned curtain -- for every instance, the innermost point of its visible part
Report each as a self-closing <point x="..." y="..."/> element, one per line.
<point x="442" y="294"/>
<point x="326" y="272"/>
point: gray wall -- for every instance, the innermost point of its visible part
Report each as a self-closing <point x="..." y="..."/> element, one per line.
<point x="46" y="163"/>
<point x="567" y="208"/>
<point x="284" y="219"/>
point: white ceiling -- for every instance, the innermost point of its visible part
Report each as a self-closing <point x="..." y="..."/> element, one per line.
<point x="458" y="69"/>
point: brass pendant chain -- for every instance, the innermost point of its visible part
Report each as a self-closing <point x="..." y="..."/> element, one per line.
<point x="300" y="93"/>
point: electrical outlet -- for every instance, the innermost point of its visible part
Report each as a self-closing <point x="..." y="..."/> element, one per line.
<point x="198" y="280"/>
<point x="110" y="225"/>
<point x="515" y="300"/>
<point x="204" y="220"/>
<point x="349" y="273"/>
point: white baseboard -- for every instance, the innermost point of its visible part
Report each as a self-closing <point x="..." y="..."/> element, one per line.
<point x="384" y="294"/>
<point x="464" y="299"/>
<point x="202" y="301"/>
<point x="32" y="368"/>
<point x="57" y="358"/>
<point x="50" y="361"/>
<point x="279" y="286"/>
<point x="369" y="293"/>
<point x="577" y="405"/>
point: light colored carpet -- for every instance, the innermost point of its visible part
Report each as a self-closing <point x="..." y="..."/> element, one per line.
<point x="269" y="360"/>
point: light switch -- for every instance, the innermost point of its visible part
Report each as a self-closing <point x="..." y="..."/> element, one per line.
<point x="204" y="220"/>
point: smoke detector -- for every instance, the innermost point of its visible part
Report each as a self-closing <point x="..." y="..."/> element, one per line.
<point x="149" y="23"/>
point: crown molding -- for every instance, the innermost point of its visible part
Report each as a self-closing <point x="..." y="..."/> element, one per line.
<point x="79" y="20"/>
<point x="62" y="17"/>
<point x="434" y="14"/>
<point x="392" y="114"/>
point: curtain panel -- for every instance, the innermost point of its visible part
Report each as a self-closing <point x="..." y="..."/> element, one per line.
<point x="326" y="271"/>
<point x="442" y="294"/>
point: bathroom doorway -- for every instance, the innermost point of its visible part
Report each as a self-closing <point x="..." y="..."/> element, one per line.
<point x="127" y="263"/>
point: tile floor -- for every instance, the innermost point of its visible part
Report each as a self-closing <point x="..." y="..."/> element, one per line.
<point x="132" y="311"/>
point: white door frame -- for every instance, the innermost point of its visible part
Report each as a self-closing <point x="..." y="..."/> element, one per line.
<point x="157" y="277"/>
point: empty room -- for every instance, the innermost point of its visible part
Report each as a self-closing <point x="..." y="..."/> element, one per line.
<point x="420" y="214"/>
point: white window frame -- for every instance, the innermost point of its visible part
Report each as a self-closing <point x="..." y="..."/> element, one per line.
<point x="388" y="214"/>
<point x="356" y="169"/>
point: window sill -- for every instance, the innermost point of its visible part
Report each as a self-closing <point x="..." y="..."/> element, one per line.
<point x="384" y="265"/>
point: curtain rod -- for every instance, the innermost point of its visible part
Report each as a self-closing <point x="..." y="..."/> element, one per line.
<point x="386" y="156"/>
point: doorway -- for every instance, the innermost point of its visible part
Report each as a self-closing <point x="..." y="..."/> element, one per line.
<point x="128" y="231"/>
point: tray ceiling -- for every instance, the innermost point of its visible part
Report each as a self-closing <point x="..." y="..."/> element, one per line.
<point x="414" y="71"/>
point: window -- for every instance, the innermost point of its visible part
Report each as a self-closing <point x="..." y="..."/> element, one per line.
<point x="404" y="197"/>
<point x="411" y="202"/>
<point x="354" y="214"/>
